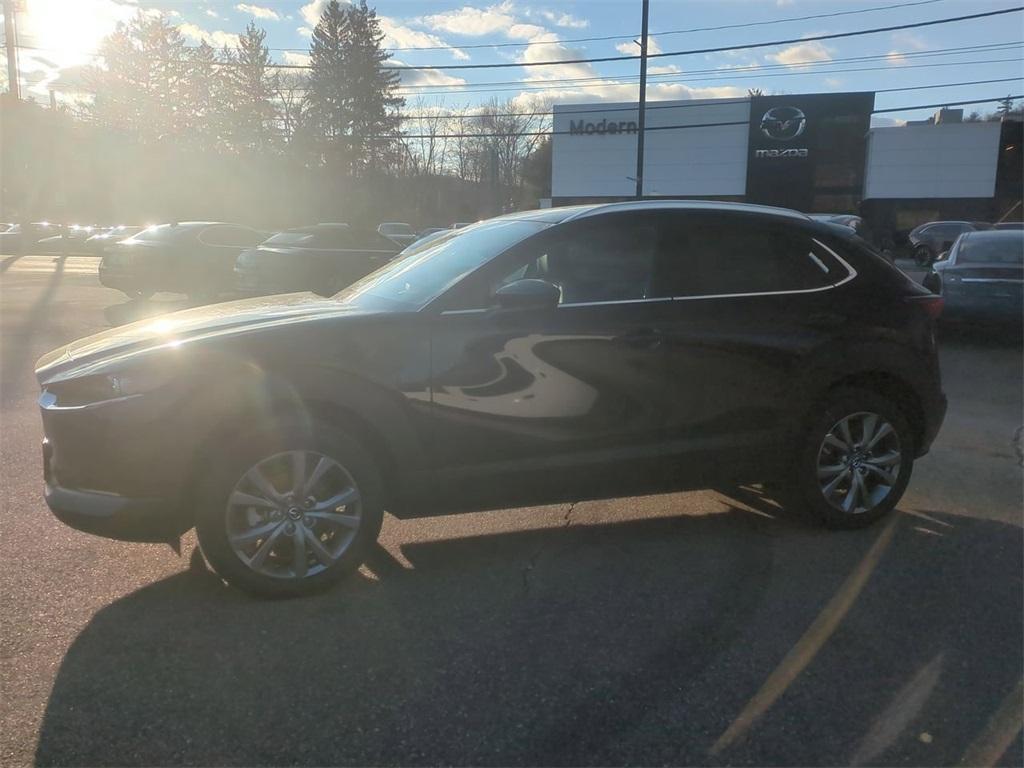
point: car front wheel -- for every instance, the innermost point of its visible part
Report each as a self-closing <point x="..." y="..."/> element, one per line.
<point x="290" y="514"/>
<point x="855" y="461"/>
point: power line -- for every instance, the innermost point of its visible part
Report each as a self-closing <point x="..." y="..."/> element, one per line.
<point x="717" y="103"/>
<point x="908" y="108"/>
<point x="765" y="68"/>
<point x="766" y="22"/>
<point x="685" y="80"/>
<point x="560" y="41"/>
<point x="664" y="54"/>
<point x="719" y="49"/>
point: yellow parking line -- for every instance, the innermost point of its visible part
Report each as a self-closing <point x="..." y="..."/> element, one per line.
<point x="813" y="639"/>
<point x="999" y="732"/>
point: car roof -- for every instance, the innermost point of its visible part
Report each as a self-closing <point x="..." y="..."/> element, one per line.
<point x="574" y="212"/>
<point x="994" y="234"/>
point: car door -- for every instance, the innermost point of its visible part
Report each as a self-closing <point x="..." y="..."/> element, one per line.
<point x="577" y="384"/>
<point x="752" y="307"/>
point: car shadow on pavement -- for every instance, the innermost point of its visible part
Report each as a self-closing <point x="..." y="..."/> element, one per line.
<point x="609" y="643"/>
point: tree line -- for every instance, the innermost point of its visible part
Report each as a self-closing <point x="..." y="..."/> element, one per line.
<point x="342" y="112"/>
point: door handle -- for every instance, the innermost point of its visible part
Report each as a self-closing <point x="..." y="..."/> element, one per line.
<point x="642" y="338"/>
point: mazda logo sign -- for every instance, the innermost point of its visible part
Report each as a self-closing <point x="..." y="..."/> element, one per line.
<point x="783" y="123"/>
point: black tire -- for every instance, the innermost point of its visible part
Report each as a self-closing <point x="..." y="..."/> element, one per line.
<point x="923" y="255"/>
<point x="804" y="487"/>
<point x="236" y="458"/>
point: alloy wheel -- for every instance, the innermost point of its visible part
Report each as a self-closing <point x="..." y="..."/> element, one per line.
<point x="293" y="514"/>
<point x="859" y="462"/>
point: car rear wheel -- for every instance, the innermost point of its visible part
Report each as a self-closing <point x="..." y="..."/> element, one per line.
<point x="291" y="513"/>
<point x="855" y="461"/>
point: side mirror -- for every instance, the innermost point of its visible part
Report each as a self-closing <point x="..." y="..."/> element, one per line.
<point x="528" y="294"/>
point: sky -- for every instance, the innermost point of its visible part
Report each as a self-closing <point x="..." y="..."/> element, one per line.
<point x="63" y="33"/>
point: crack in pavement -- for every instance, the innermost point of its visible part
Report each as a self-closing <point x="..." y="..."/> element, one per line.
<point x="531" y="561"/>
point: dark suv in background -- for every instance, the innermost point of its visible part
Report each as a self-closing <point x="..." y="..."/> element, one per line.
<point x="196" y="258"/>
<point x="567" y="353"/>
<point x="323" y="258"/>
<point x="929" y="241"/>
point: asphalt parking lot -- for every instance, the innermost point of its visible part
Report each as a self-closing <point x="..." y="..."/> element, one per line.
<point x="699" y="628"/>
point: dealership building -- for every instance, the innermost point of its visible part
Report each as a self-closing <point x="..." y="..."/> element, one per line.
<point x="812" y="152"/>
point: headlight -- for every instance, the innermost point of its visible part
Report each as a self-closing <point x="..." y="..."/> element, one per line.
<point x="89" y="390"/>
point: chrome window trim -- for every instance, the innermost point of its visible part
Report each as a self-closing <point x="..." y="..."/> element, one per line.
<point x="991" y="280"/>
<point x="851" y="274"/>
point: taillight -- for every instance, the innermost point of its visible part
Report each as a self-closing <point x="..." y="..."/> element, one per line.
<point x="932" y="304"/>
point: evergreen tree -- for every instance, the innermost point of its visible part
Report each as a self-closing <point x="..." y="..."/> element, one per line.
<point x="204" y="98"/>
<point x="373" y="105"/>
<point x="1005" y="107"/>
<point x="145" y="81"/>
<point x="328" y="114"/>
<point x="252" y="88"/>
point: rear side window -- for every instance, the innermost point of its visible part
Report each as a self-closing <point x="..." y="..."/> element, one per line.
<point x="990" y="250"/>
<point x="238" y="237"/>
<point x="723" y="255"/>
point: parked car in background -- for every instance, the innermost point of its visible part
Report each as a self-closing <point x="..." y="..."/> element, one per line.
<point x="71" y="238"/>
<point x="573" y="352"/>
<point x="191" y="257"/>
<point x="843" y="219"/>
<point x="323" y="258"/>
<point x="982" y="275"/>
<point x="927" y="241"/>
<point x="100" y="241"/>
<point x="1011" y="225"/>
<point x="397" y="232"/>
<point x="10" y="239"/>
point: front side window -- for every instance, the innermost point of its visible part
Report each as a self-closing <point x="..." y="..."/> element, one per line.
<point x="610" y="258"/>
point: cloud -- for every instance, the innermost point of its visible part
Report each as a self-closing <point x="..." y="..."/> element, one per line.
<point x="909" y="40"/>
<point x="312" y="11"/>
<point x="833" y="82"/>
<point x="293" y="58"/>
<point x="801" y="54"/>
<point x="895" y="59"/>
<point x="565" y="20"/>
<point x="664" y="69"/>
<point x="258" y="11"/>
<point x="397" y="35"/>
<point x="471" y="21"/>
<point x="884" y="121"/>
<point x="546" y="48"/>
<point x="632" y="49"/>
<point x="211" y="13"/>
<point x="417" y="77"/>
<point x="217" y="38"/>
<point x="783" y="3"/>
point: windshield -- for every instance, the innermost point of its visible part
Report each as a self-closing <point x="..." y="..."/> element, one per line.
<point x="991" y="250"/>
<point x="424" y="271"/>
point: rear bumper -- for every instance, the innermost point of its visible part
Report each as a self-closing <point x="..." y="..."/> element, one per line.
<point x="117" y="279"/>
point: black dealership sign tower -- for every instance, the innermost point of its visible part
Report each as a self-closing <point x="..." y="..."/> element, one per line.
<point x="807" y="151"/>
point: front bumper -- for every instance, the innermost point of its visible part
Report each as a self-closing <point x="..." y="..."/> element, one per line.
<point x="117" y="469"/>
<point x="109" y="514"/>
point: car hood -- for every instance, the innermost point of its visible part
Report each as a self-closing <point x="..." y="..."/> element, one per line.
<point x="172" y="330"/>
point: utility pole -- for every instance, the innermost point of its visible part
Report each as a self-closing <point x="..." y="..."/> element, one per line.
<point x="643" y="104"/>
<point x="11" y="44"/>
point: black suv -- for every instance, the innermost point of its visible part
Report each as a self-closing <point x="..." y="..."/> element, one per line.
<point x="567" y="353"/>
